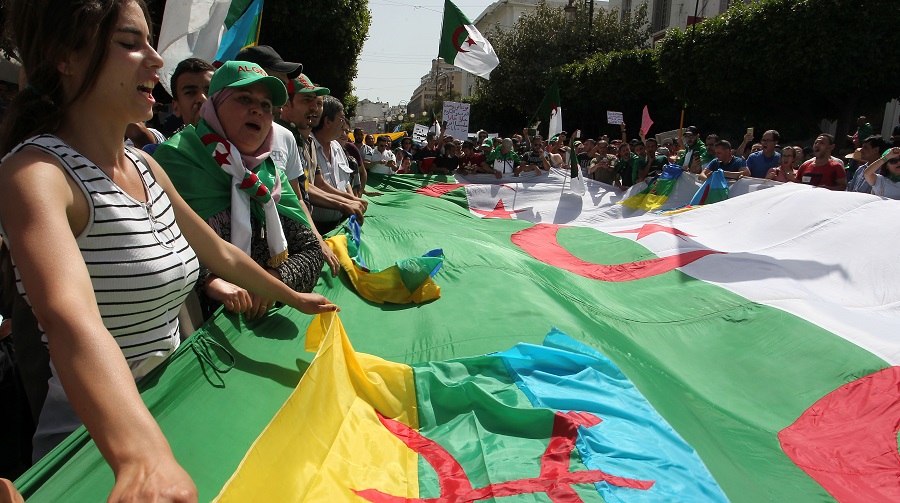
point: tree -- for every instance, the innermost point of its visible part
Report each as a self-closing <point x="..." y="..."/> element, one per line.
<point x="541" y="41"/>
<point x="327" y="36"/>
<point x="623" y="81"/>
<point x="785" y="64"/>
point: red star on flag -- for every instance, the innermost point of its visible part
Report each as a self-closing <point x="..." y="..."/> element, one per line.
<point x="221" y="157"/>
<point x="648" y="229"/>
<point x="470" y="41"/>
<point x="498" y="212"/>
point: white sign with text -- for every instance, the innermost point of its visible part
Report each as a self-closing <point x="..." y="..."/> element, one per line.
<point x="614" y="117"/>
<point x="420" y="133"/>
<point x="456" y="115"/>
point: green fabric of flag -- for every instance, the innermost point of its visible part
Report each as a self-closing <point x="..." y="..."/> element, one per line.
<point x="726" y="373"/>
<point x="206" y="187"/>
<point x="463" y="46"/>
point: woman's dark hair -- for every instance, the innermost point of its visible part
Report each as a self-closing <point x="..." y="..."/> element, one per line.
<point x="44" y="34"/>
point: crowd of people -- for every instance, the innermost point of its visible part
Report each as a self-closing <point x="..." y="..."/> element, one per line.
<point x="231" y="205"/>
<point x="622" y="163"/>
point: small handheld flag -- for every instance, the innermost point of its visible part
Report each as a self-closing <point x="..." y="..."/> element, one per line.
<point x="646" y="121"/>
<point x="550" y="110"/>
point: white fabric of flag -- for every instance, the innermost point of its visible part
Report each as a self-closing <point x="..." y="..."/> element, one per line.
<point x="190" y="29"/>
<point x="463" y="46"/>
<point x="555" y="125"/>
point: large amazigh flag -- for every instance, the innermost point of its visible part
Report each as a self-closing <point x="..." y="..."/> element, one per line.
<point x="748" y="347"/>
<point x="463" y="46"/>
<point x="212" y="30"/>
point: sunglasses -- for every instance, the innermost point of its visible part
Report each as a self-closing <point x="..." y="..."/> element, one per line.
<point x="895" y="160"/>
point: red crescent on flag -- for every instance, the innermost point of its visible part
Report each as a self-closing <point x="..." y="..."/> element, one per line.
<point x="541" y="243"/>
<point x="847" y="440"/>
<point x="456" y="43"/>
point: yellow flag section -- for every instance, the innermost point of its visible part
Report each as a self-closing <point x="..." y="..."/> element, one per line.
<point x="311" y="450"/>
<point x="393" y="136"/>
<point x="382" y="286"/>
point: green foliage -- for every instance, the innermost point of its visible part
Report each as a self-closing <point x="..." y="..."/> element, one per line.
<point x="786" y="64"/>
<point x="622" y="81"/>
<point x="350" y="102"/>
<point x="327" y="36"/>
<point x="541" y="42"/>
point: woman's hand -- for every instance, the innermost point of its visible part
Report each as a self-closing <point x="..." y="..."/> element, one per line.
<point x="233" y="297"/>
<point x="160" y="480"/>
<point x="313" y="303"/>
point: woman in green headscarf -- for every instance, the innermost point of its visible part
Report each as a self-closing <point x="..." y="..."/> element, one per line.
<point x="223" y="169"/>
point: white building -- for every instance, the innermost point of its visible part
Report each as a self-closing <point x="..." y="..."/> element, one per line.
<point x="667" y="14"/>
<point x="504" y="13"/>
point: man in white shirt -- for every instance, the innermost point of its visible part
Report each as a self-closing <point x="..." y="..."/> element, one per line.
<point x="381" y="159"/>
<point x="334" y="176"/>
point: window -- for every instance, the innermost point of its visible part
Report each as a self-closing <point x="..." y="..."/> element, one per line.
<point x="661" y="11"/>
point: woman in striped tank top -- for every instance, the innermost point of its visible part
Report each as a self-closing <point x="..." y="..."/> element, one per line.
<point x="103" y="246"/>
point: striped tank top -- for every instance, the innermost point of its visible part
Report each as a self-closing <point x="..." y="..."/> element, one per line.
<point x="140" y="265"/>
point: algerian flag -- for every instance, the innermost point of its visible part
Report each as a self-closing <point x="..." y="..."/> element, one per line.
<point x="551" y="111"/>
<point x="463" y="46"/>
<point x="195" y="28"/>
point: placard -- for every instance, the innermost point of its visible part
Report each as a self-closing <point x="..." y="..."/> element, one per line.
<point x="420" y="133"/>
<point x="614" y="117"/>
<point x="456" y="115"/>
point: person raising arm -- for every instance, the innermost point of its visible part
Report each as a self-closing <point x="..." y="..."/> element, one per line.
<point x="103" y="249"/>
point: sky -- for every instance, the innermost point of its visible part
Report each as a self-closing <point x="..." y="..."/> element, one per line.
<point x="403" y="39"/>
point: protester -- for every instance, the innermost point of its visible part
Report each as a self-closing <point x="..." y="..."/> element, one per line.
<point x="781" y="173"/>
<point x="694" y="153"/>
<point x="447" y="162"/>
<point x="334" y="177"/>
<point x="190" y="89"/>
<point x="863" y="131"/>
<point x="725" y="160"/>
<point x="535" y="159"/>
<point x="472" y="160"/>
<point x="358" y="136"/>
<point x="381" y="159"/>
<point x="870" y="151"/>
<point x="887" y="182"/>
<point x="355" y="158"/>
<point x="759" y="163"/>
<point x="291" y="147"/>
<point x="822" y="170"/>
<point x="487" y="146"/>
<point x="626" y="162"/>
<point x="103" y="314"/>
<point x="603" y="170"/>
<point x="503" y="160"/>
<point x="641" y="165"/>
<point x="404" y="155"/>
<point x="239" y="110"/>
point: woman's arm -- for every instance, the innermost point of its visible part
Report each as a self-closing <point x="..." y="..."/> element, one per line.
<point x="227" y="261"/>
<point x="90" y="364"/>
<point x="876" y="165"/>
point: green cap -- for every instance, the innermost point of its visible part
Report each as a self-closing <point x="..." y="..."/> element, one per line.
<point x="487" y="143"/>
<point x="242" y="74"/>
<point x="302" y="84"/>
